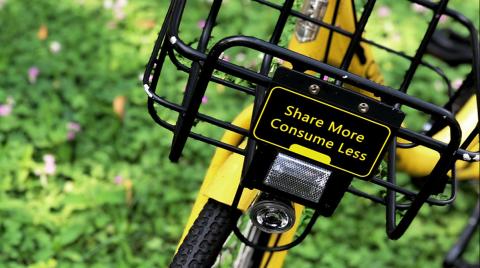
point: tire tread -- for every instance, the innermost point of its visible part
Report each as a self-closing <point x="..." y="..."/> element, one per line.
<point x="206" y="237"/>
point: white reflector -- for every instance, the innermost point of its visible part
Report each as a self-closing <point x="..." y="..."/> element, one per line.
<point x="297" y="177"/>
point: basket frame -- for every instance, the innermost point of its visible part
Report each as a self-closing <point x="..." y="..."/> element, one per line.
<point x="204" y="63"/>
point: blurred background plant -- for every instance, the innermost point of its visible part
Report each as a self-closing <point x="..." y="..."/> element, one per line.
<point x="84" y="176"/>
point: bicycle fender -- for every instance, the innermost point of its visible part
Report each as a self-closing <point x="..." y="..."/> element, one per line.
<point x="224" y="183"/>
<point x="223" y="175"/>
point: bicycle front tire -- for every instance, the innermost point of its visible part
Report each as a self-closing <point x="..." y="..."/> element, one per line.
<point x="206" y="237"/>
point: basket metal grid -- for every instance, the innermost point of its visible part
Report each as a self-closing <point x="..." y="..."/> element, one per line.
<point x="205" y="61"/>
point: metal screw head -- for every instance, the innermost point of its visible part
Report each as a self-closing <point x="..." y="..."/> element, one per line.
<point x="314" y="89"/>
<point x="363" y="107"/>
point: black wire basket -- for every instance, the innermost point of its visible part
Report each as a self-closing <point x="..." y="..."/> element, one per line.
<point x="205" y="64"/>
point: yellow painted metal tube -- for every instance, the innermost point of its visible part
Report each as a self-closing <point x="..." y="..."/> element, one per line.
<point x="419" y="161"/>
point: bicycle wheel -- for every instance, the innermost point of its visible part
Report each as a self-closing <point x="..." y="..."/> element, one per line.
<point x="202" y="246"/>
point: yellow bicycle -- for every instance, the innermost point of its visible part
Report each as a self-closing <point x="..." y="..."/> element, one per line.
<point x="322" y="116"/>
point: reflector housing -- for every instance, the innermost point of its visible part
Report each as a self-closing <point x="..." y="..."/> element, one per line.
<point x="297" y="177"/>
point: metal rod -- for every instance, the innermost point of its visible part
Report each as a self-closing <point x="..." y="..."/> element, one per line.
<point x="330" y="34"/>
<point x="460" y="246"/>
<point x="440" y="169"/>
<point x="218" y="80"/>
<point x="357" y="35"/>
<point x="410" y="194"/>
<point x="407" y="79"/>
<point x="374" y="198"/>
<point x="391" y="198"/>
<point x="192" y="97"/>
<point x="158" y="43"/>
<point x="475" y="132"/>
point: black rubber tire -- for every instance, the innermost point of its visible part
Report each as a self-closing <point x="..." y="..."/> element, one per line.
<point x="206" y="237"/>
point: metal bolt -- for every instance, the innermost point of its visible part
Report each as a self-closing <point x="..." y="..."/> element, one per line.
<point x="363" y="107"/>
<point x="314" y="89"/>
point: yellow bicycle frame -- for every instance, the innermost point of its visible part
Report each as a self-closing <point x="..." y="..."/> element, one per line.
<point x="223" y="175"/>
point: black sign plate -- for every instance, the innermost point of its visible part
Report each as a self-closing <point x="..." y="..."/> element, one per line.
<point x="322" y="132"/>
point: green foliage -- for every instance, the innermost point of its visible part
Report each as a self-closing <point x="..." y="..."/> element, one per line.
<point x="114" y="199"/>
<point x="355" y="237"/>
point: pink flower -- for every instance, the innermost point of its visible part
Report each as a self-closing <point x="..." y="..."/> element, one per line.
<point x="33" y="73"/>
<point x="118" y="180"/>
<point x="55" y="47"/>
<point x="384" y="11"/>
<point x="121" y="3"/>
<point x="201" y="24"/>
<point x="443" y="19"/>
<point x="419" y="8"/>
<point x="457" y="83"/>
<point x="224" y="57"/>
<point x="72" y="128"/>
<point x="204" y="99"/>
<point x="49" y="164"/>
<point x="6" y="109"/>
<point x="117" y="7"/>
<point x="71" y="135"/>
<point x="325" y="78"/>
